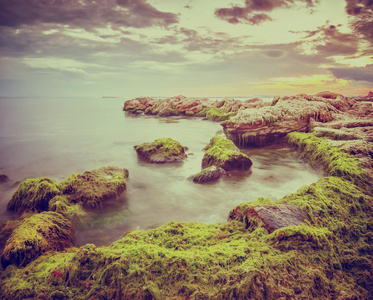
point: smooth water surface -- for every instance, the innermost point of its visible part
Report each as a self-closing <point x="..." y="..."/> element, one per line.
<point x="58" y="137"/>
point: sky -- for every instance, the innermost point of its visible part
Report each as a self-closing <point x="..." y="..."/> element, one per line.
<point x="204" y="48"/>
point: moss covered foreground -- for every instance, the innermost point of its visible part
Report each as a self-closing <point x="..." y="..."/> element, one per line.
<point x="327" y="257"/>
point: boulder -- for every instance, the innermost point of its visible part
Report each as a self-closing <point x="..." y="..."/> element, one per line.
<point x="91" y="188"/>
<point x="275" y="216"/>
<point x="224" y="154"/>
<point x="209" y="174"/>
<point x="42" y="232"/>
<point x="4" y="178"/>
<point x="164" y="150"/>
<point x="34" y="195"/>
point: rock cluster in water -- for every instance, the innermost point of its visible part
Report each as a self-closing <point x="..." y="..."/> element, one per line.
<point x="316" y="243"/>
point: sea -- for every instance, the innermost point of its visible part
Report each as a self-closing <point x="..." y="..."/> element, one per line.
<point x="56" y="137"/>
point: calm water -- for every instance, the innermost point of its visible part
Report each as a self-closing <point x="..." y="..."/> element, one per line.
<point x="58" y="137"/>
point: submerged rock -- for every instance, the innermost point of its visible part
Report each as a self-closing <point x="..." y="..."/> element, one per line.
<point x="164" y="150"/>
<point x="224" y="154"/>
<point x="4" y="178"/>
<point x="35" y="235"/>
<point x="209" y="174"/>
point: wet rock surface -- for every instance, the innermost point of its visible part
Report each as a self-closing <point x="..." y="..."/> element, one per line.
<point x="209" y="174"/>
<point x="164" y="150"/>
<point x="275" y="216"/>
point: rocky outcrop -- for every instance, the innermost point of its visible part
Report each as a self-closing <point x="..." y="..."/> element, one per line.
<point x="218" y="110"/>
<point x="269" y="124"/>
<point x="164" y="150"/>
<point x="40" y="233"/>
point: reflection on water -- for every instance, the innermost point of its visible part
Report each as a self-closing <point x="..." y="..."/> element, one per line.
<point x="58" y="137"/>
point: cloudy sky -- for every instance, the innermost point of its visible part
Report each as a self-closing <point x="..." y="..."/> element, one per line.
<point x="131" y="48"/>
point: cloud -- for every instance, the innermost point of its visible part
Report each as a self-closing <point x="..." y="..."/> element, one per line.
<point x="358" y="74"/>
<point x="249" y="12"/>
<point x="87" y="14"/>
<point x="362" y="13"/>
<point x="327" y="40"/>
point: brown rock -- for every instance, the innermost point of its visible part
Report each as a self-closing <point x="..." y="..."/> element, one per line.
<point x="275" y="216"/>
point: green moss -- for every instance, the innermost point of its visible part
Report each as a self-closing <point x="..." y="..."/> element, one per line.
<point x="73" y="212"/>
<point x="221" y="143"/>
<point x="91" y="188"/>
<point x="34" y="195"/>
<point x="46" y="231"/>
<point x="216" y="114"/>
<point x="318" y="152"/>
<point x="203" y="112"/>
<point x="168" y="112"/>
<point x="162" y="150"/>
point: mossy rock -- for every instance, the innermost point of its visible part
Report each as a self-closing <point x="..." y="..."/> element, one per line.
<point x="35" y="235"/>
<point x="221" y="142"/>
<point x="224" y="154"/>
<point x="34" y="194"/>
<point x="164" y="150"/>
<point x="209" y="174"/>
<point x="73" y="212"/>
<point x="216" y="114"/>
<point x="91" y="188"/>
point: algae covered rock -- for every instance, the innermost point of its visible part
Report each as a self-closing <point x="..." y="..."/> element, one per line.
<point x="42" y="232"/>
<point x="224" y="154"/>
<point x="209" y="174"/>
<point x="34" y="194"/>
<point x="91" y="188"/>
<point x="164" y="150"/>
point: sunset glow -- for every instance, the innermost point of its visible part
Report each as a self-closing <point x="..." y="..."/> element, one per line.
<point x="197" y="48"/>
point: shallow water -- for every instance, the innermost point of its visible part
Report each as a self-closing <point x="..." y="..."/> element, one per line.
<point x="58" y="137"/>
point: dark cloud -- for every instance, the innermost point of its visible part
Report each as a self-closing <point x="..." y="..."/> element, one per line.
<point x="87" y="14"/>
<point x="327" y="40"/>
<point x="358" y="74"/>
<point x="249" y="12"/>
<point x="362" y="14"/>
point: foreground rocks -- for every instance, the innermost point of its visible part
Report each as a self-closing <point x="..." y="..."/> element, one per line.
<point x="71" y="197"/>
<point x="164" y="150"/>
<point x="35" y="235"/>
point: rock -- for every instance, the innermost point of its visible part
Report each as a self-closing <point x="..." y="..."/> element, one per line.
<point x="164" y="150"/>
<point x="275" y="216"/>
<point x="91" y="188"/>
<point x="224" y="154"/>
<point x="4" y="178"/>
<point x="209" y="174"/>
<point x="269" y="124"/>
<point x="42" y="232"/>
<point x="34" y="195"/>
